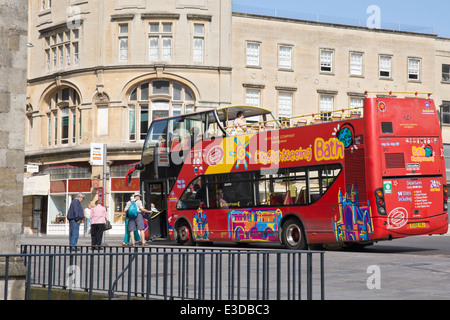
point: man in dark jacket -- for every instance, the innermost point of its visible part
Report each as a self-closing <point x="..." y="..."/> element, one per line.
<point x="75" y="215"/>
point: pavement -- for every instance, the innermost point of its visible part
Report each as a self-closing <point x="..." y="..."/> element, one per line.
<point x="353" y="275"/>
<point x="63" y="240"/>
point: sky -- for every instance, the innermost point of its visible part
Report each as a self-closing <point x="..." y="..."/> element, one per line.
<point x="430" y="16"/>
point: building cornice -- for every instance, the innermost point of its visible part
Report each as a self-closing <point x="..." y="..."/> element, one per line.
<point x="51" y="154"/>
<point x="160" y="16"/>
<point x="332" y="25"/>
<point x="55" y="26"/>
<point x="146" y="67"/>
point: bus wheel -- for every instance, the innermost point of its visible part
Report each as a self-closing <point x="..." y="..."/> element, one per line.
<point x="293" y="236"/>
<point x="184" y="235"/>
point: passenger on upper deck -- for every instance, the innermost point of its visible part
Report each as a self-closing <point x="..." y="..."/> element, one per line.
<point x="240" y="125"/>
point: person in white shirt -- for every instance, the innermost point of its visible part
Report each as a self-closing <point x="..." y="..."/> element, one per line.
<point x="87" y="219"/>
<point x="240" y="125"/>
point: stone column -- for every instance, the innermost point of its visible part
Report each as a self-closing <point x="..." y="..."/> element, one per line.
<point x="13" y="92"/>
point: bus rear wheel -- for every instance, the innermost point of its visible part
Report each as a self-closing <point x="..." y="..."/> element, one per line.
<point x="293" y="236"/>
<point x="184" y="235"/>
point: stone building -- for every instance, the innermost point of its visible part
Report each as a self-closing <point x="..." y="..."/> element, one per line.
<point x="100" y="71"/>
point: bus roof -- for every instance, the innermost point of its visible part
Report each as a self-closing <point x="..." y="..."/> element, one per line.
<point x="230" y="112"/>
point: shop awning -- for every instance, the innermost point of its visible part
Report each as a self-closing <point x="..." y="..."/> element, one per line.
<point x="36" y="185"/>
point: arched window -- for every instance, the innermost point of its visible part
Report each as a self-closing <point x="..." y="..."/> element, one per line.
<point x="63" y="117"/>
<point x="155" y="99"/>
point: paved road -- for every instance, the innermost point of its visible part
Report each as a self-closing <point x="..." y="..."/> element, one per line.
<point x="416" y="268"/>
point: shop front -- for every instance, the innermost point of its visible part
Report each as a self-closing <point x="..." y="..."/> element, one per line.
<point x="62" y="192"/>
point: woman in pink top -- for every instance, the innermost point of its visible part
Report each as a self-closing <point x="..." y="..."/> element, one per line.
<point x="98" y="221"/>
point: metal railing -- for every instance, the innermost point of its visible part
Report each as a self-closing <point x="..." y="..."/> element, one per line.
<point x="176" y="273"/>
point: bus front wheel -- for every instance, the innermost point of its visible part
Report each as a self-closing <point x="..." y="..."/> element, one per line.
<point x="184" y="235"/>
<point x="293" y="236"/>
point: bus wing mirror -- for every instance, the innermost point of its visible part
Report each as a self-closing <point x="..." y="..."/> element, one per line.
<point x="129" y="175"/>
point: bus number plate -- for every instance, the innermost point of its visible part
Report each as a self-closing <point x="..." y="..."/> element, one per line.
<point x="417" y="225"/>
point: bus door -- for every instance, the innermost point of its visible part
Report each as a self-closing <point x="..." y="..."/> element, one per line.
<point x="156" y="202"/>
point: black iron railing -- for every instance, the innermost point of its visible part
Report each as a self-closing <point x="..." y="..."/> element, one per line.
<point x="176" y="272"/>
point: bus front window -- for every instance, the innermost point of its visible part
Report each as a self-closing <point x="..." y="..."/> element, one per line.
<point x="157" y="135"/>
<point x="156" y="138"/>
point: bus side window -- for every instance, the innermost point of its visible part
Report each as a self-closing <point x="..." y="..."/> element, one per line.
<point x="320" y="180"/>
<point x="236" y="190"/>
<point x="262" y="191"/>
<point x="190" y="197"/>
<point x="301" y="199"/>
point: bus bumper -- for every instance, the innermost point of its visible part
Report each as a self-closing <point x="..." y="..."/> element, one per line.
<point x="401" y="228"/>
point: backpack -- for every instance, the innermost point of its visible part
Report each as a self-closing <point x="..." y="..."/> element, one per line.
<point x="132" y="211"/>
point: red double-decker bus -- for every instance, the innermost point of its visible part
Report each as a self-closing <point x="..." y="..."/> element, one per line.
<point x="348" y="177"/>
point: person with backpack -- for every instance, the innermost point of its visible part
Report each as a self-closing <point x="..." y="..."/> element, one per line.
<point x="126" y="238"/>
<point x="134" y="211"/>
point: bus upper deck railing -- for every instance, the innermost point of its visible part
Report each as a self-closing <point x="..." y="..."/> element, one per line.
<point x="317" y="118"/>
<point x="175" y="273"/>
<point x="300" y="121"/>
<point x="390" y="93"/>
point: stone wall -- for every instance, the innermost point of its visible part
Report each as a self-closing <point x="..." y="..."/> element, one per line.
<point x="13" y="73"/>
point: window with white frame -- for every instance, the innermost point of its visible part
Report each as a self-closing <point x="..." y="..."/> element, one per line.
<point x="123" y="41"/>
<point x="285" y="105"/>
<point x="48" y="60"/>
<point x="413" y="69"/>
<point x="158" y="98"/>
<point x="199" y="42"/>
<point x="356" y="64"/>
<point x="65" y="125"/>
<point x="49" y="129"/>
<point x="160" y="41"/>
<point x="447" y="158"/>
<point x="385" y="67"/>
<point x="253" y="97"/>
<point x="326" y="106"/>
<point x="62" y="115"/>
<point x="45" y="4"/>
<point x="446" y="73"/>
<point x="253" y="52"/>
<point x="445" y="113"/>
<point x="61" y="50"/>
<point x="326" y="60"/>
<point x="285" y="57"/>
<point x="356" y="102"/>
<point x="75" y="46"/>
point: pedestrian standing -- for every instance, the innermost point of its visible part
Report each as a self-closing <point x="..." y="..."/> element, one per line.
<point x="98" y="221"/>
<point x="75" y="215"/>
